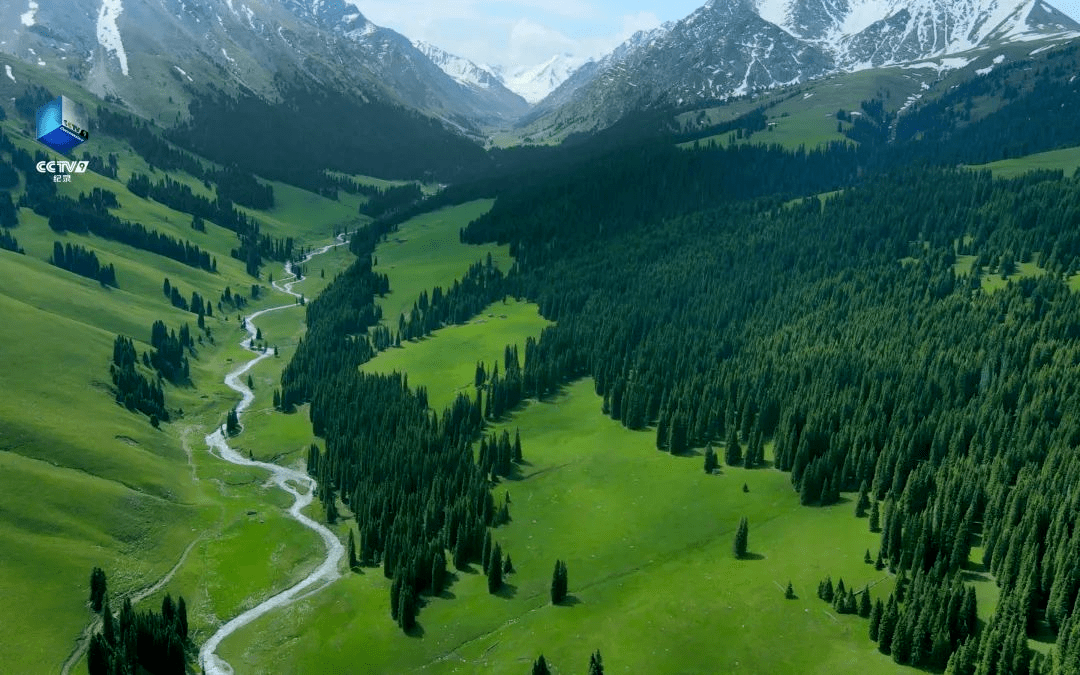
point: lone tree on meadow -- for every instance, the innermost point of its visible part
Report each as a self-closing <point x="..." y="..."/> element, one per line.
<point x="558" y="583"/>
<point x="596" y="664"/>
<point x="98" y="589"/>
<point x="742" y="535"/>
<point x="540" y="667"/>
<point x="789" y="592"/>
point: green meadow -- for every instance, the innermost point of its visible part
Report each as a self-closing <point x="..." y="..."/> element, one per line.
<point x="445" y="362"/>
<point x="424" y="252"/>
<point x="1066" y="160"/>
<point x="647" y="540"/>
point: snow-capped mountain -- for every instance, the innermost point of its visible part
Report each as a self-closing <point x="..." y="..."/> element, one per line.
<point x="482" y="79"/>
<point x="535" y="82"/>
<point x="158" y="55"/>
<point x="529" y="83"/>
<point x="732" y="47"/>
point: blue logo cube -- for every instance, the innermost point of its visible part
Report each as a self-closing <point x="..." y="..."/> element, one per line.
<point x="61" y="125"/>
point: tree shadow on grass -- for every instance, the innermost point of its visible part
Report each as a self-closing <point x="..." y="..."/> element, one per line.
<point x="750" y="555"/>
<point x="507" y="591"/>
<point x="569" y="601"/>
<point x="417" y="631"/>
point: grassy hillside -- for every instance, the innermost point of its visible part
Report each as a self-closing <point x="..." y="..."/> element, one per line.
<point x="88" y="483"/>
<point x="1066" y="160"/>
<point x="424" y="252"/>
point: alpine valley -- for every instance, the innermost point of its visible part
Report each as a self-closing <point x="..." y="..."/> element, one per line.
<point x="749" y="346"/>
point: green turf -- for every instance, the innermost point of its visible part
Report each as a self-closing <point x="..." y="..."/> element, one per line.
<point x="425" y="252"/>
<point x="445" y="362"/>
<point x="1067" y="160"/>
<point x="647" y="540"/>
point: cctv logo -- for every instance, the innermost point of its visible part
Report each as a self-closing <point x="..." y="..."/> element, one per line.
<point x="61" y="125"/>
<point x="62" y="167"/>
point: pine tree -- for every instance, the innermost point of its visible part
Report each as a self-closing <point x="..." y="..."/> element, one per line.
<point x="181" y="619"/>
<point x="862" y="502"/>
<point x="438" y="572"/>
<point x="98" y="588"/>
<point x="875" y="516"/>
<point x="351" y="549"/>
<point x="867" y="559"/>
<point x="232" y="423"/>
<point x="875" y="619"/>
<point x="887" y="626"/>
<point x="540" y="667"/>
<point x="732" y="451"/>
<point x="864" y="602"/>
<point x="710" y="459"/>
<point x="596" y="664"/>
<point x="495" y="570"/>
<point x="486" y="551"/>
<point x="789" y="592"/>
<point x="742" y="535"/>
<point x="558" y="583"/>
<point x="508" y="567"/>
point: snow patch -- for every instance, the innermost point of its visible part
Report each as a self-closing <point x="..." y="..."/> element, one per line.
<point x="27" y="17"/>
<point x="9" y="74"/>
<point x="108" y="33"/>
<point x="227" y="57"/>
<point x="181" y="71"/>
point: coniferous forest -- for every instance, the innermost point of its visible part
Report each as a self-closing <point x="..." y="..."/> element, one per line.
<point x="853" y="333"/>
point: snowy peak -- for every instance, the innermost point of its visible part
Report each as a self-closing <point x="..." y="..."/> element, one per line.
<point x="729" y="48"/>
<point x="461" y="69"/>
<point x="889" y="31"/>
<point x="536" y="82"/>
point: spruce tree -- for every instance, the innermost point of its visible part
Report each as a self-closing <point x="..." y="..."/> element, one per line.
<point x="596" y="664"/>
<point x="789" y="592"/>
<point x="181" y="619"/>
<point x="862" y="502"/>
<point x="486" y="551"/>
<point x="875" y="619"/>
<point x="732" y="451"/>
<point x="438" y="572"/>
<point x="558" y="583"/>
<point x="864" y="602"/>
<point x="495" y="570"/>
<point x="508" y="567"/>
<point x="540" y="667"/>
<point x="98" y="588"/>
<point x="710" y="459"/>
<point x="742" y="535"/>
<point x="351" y="549"/>
<point x="875" y="516"/>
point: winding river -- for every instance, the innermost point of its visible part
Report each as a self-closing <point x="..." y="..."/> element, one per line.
<point x="297" y="483"/>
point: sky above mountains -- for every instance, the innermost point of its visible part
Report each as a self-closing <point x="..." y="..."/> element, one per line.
<point x="521" y="33"/>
